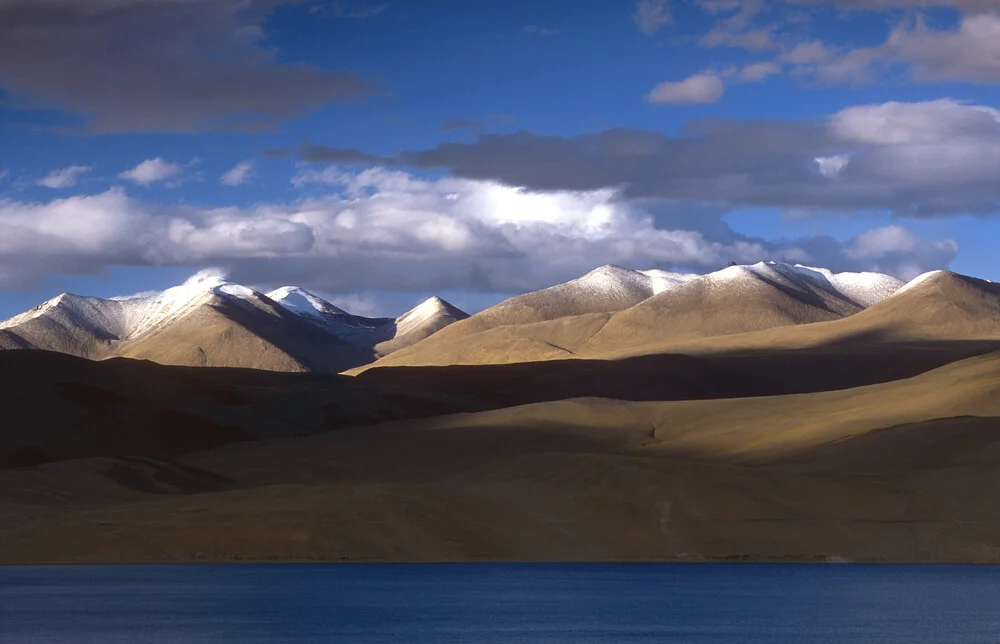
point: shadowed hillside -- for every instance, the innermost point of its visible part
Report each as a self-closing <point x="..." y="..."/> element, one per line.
<point x="886" y="472"/>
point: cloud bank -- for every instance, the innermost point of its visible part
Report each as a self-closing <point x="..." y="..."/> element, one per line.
<point x="913" y="159"/>
<point x="385" y="230"/>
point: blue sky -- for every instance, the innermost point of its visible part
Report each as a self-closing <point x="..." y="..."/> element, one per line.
<point x="378" y="152"/>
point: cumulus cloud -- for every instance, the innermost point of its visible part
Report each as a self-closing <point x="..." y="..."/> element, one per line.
<point x="932" y="122"/>
<point x="898" y="247"/>
<point x="160" y="65"/>
<point x="238" y="175"/>
<point x="152" y="171"/>
<point x="652" y="15"/>
<point x="390" y="230"/>
<point x="913" y="159"/>
<point x="700" y="88"/>
<point x="64" y="178"/>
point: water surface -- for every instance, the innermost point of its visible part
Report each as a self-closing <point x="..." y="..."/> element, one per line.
<point x="501" y="603"/>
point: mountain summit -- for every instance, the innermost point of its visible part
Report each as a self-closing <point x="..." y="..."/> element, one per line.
<point x="208" y="321"/>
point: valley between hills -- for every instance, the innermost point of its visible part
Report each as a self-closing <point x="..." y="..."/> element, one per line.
<point x="766" y="412"/>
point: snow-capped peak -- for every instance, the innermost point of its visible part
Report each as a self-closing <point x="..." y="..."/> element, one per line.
<point x="32" y="313"/>
<point x="429" y="309"/>
<point x="207" y="278"/>
<point x="298" y="300"/>
<point x="615" y="280"/>
<point x="920" y="279"/>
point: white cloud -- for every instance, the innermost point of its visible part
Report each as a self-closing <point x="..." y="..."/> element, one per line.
<point x="832" y="166"/>
<point x="739" y="30"/>
<point x="388" y="230"/>
<point x="759" y="71"/>
<point x="652" y="15"/>
<point x="152" y="171"/>
<point x="238" y="175"/>
<point x="751" y="40"/>
<point x="889" y="240"/>
<point x="931" y="122"/>
<point x="64" y="178"/>
<point x="808" y="53"/>
<point x="700" y="88"/>
<point x="366" y="304"/>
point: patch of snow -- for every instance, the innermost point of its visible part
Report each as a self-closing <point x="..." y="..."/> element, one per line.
<point x="325" y="315"/>
<point x="301" y="301"/>
<point x="236" y="290"/>
<point x="920" y="279"/>
<point x="33" y="313"/>
<point x="665" y="280"/>
<point x="617" y="281"/>
<point x="421" y="314"/>
<point x="864" y="288"/>
<point x="859" y="290"/>
<point x="427" y="312"/>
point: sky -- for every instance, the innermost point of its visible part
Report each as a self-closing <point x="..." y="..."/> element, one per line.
<point x="378" y="152"/>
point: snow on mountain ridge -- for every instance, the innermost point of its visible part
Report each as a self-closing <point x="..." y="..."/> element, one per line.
<point x="426" y="311"/>
<point x="126" y="318"/>
<point x="664" y="280"/>
<point x="298" y="300"/>
<point x="859" y="290"/>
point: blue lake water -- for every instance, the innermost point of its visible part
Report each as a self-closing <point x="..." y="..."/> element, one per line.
<point x="400" y="603"/>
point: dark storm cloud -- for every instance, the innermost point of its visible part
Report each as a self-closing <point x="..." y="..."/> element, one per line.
<point x="159" y="65"/>
<point x="322" y="154"/>
<point x="914" y="159"/>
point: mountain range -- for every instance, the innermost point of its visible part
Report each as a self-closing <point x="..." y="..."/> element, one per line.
<point x="208" y="321"/>
<point x="610" y="312"/>
<point x="614" y="313"/>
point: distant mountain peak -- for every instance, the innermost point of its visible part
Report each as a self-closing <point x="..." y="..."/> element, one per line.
<point x="432" y="309"/>
<point x="299" y="300"/>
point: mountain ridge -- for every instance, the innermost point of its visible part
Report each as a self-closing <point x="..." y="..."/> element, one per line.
<point x="208" y="321"/>
<point x="609" y="312"/>
<point x="676" y="307"/>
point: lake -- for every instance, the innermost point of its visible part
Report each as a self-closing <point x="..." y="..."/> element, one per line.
<point x="404" y="603"/>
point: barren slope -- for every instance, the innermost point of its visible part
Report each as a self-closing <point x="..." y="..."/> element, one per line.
<point x="881" y="473"/>
<point x="57" y="407"/>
